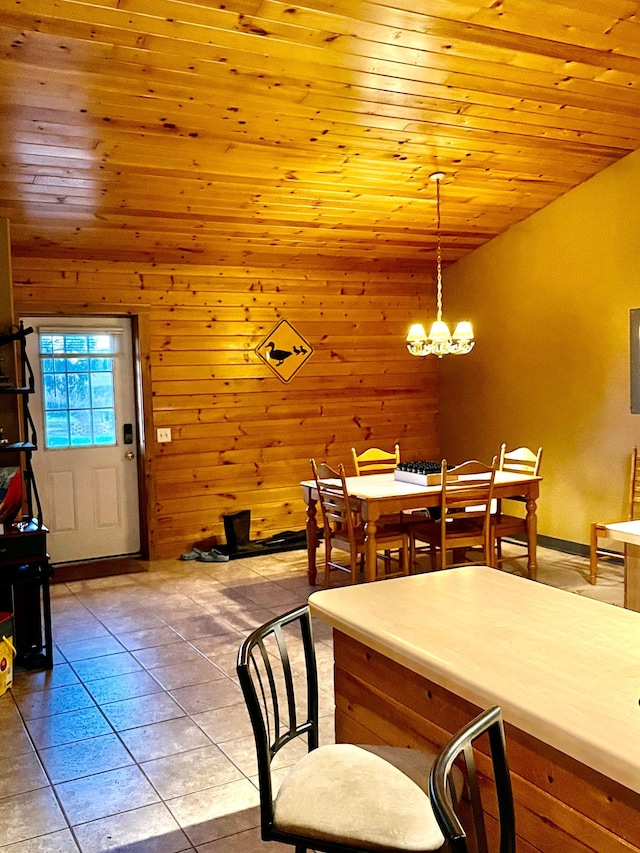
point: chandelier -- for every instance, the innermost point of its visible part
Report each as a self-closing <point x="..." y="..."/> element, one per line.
<point x="439" y="341"/>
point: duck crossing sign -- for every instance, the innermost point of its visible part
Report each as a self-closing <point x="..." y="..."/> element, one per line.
<point x="284" y="351"/>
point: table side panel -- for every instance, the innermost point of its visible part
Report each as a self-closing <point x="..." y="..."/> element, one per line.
<point x="380" y="701"/>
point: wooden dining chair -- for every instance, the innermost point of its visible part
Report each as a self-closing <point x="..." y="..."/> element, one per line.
<point x="344" y="529"/>
<point x="465" y="514"/>
<point x="598" y="528"/>
<point x="522" y="460"/>
<point x="333" y="797"/>
<point x="375" y="461"/>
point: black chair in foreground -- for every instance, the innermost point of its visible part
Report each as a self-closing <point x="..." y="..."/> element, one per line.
<point x="350" y="798"/>
<point x="489" y="722"/>
<point x="338" y="797"/>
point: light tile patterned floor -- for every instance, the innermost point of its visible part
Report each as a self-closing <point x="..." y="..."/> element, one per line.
<point x="138" y="741"/>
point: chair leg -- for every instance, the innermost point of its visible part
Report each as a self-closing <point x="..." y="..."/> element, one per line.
<point x="593" y="553"/>
<point x="328" y="568"/>
<point x="458" y="557"/>
<point x="413" y="559"/>
<point x="353" y="566"/>
<point x="490" y="553"/>
<point x="404" y="556"/>
<point x="412" y="552"/>
<point x="387" y="562"/>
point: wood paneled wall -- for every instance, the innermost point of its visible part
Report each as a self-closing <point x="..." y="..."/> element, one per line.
<point x="242" y="439"/>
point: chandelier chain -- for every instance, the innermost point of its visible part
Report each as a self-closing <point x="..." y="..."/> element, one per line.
<point x="438" y="254"/>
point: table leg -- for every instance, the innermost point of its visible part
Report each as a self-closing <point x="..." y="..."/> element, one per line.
<point x="532" y="538"/>
<point x="312" y="541"/>
<point x="632" y="576"/>
<point x="371" y="551"/>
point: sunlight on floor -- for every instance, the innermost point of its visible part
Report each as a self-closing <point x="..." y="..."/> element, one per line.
<point x="138" y="739"/>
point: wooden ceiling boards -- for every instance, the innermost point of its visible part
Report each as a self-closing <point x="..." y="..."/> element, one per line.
<point x="269" y="132"/>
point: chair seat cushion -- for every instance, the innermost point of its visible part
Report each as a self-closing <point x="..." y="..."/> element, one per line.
<point x="373" y="797"/>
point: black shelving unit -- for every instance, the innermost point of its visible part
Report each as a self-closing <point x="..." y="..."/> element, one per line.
<point x="25" y="571"/>
<point x="27" y="441"/>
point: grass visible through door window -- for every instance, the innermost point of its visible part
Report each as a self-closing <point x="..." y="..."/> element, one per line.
<point x="78" y="389"/>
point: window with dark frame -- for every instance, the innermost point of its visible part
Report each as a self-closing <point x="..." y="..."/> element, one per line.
<point x="78" y="388"/>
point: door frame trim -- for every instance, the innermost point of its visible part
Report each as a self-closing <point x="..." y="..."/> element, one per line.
<point x="141" y="337"/>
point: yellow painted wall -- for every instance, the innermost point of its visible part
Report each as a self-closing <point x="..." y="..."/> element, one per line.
<point x="550" y="302"/>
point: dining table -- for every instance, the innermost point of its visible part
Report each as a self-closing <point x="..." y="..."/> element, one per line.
<point x="376" y="495"/>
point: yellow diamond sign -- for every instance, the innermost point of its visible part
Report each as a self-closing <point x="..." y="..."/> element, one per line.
<point x="284" y="351"/>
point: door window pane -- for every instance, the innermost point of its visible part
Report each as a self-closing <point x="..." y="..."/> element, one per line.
<point x="57" y="429"/>
<point x="102" y="390"/>
<point x="54" y="392"/>
<point x="80" y="428"/>
<point x="78" y="392"/>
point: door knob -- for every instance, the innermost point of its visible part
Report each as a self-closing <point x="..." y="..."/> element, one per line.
<point x="129" y="454"/>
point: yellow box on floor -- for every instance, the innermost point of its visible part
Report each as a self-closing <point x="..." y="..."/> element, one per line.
<point x="7" y="651"/>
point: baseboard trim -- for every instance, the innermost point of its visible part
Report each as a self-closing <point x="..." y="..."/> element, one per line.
<point x="565" y="546"/>
<point x="66" y="572"/>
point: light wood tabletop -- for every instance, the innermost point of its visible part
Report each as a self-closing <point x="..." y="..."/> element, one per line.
<point x="564" y="668"/>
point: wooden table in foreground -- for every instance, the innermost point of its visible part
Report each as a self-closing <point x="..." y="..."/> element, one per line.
<point x="380" y="494"/>
<point x="629" y="533"/>
<point x="417" y="657"/>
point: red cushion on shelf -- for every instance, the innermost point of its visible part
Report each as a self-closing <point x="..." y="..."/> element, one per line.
<point x="12" y="501"/>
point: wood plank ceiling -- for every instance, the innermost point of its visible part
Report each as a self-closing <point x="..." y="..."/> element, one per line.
<point x="213" y="132"/>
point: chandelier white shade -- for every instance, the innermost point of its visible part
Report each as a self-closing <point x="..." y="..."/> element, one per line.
<point x="440" y="341"/>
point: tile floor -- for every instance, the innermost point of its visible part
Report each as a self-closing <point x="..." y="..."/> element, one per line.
<point x="138" y="741"/>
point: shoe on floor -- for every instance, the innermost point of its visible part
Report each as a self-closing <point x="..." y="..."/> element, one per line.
<point x="195" y="554"/>
<point x="213" y="556"/>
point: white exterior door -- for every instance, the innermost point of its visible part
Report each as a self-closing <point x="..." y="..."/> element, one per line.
<point x="85" y="417"/>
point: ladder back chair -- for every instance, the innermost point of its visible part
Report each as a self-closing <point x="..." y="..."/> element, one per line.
<point x="344" y="529"/>
<point x="375" y="461"/>
<point x="462" y="744"/>
<point x="336" y="797"/>
<point x="598" y="528"/>
<point x="465" y="514"/>
<point x="522" y="460"/>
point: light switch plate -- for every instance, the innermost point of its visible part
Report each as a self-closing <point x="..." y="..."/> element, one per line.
<point x="163" y="435"/>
